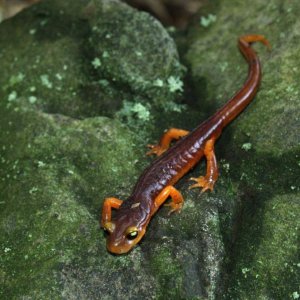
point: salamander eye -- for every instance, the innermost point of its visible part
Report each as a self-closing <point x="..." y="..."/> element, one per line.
<point x="132" y="233"/>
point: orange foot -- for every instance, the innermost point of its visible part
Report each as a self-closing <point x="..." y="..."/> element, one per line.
<point x="203" y="182"/>
<point x="175" y="207"/>
<point x="156" y="149"/>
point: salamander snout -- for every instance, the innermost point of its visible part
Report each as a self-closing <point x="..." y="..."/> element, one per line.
<point x="121" y="240"/>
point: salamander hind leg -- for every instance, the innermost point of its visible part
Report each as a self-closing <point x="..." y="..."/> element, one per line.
<point x="165" y="141"/>
<point x="207" y="182"/>
<point x="252" y="38"/>
<point x="177" y="199"/>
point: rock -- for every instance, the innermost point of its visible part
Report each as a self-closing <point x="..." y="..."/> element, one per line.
<point x="219" y="71"/>
<point x="260" y="148"/>
<point x="84" y="86"/>
<point x="120" y="51"/>
<point x="57" y="143"/>
<point x="266" y="264"/>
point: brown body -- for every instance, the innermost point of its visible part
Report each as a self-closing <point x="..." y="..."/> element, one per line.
<point x="156" y="183"/>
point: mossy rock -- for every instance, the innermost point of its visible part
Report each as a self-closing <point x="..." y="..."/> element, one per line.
<point x="84" y="87"/>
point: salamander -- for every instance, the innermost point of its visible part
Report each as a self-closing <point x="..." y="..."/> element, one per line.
<point x="128" y="225"/>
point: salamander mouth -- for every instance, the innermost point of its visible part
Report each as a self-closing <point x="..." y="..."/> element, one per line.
<point x="118" y="249"/>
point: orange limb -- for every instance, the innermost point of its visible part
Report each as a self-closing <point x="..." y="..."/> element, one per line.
<point x="108" y="204"/>
<point x="208" y="181"/>
<point x="166" y="139"/>
<point x="251" y="38"/>
<point x="177" y="199"/>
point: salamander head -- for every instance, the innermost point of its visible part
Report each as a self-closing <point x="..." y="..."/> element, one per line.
<point x="124" y="233"/>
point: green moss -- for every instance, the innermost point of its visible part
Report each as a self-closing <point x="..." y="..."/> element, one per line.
<point x="169" y="273"/>
<point x="266" y="265"/>
<point x="207" y="21"/>
<point x="220" y="70"/>
<point x="96" y="63"/>
<point x="114" y="37"/>
<point x="60" y="157"/>
<point x="65" y="68"/>
<point x="53" y="175"/>
<point x="267" y="172"/>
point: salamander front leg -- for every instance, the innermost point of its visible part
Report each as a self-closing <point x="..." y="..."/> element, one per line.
<point x="165" y="141"/>
<point x="208" y="181"/>
<point x="108" y="204"/>
<point x="177" y="199"/>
